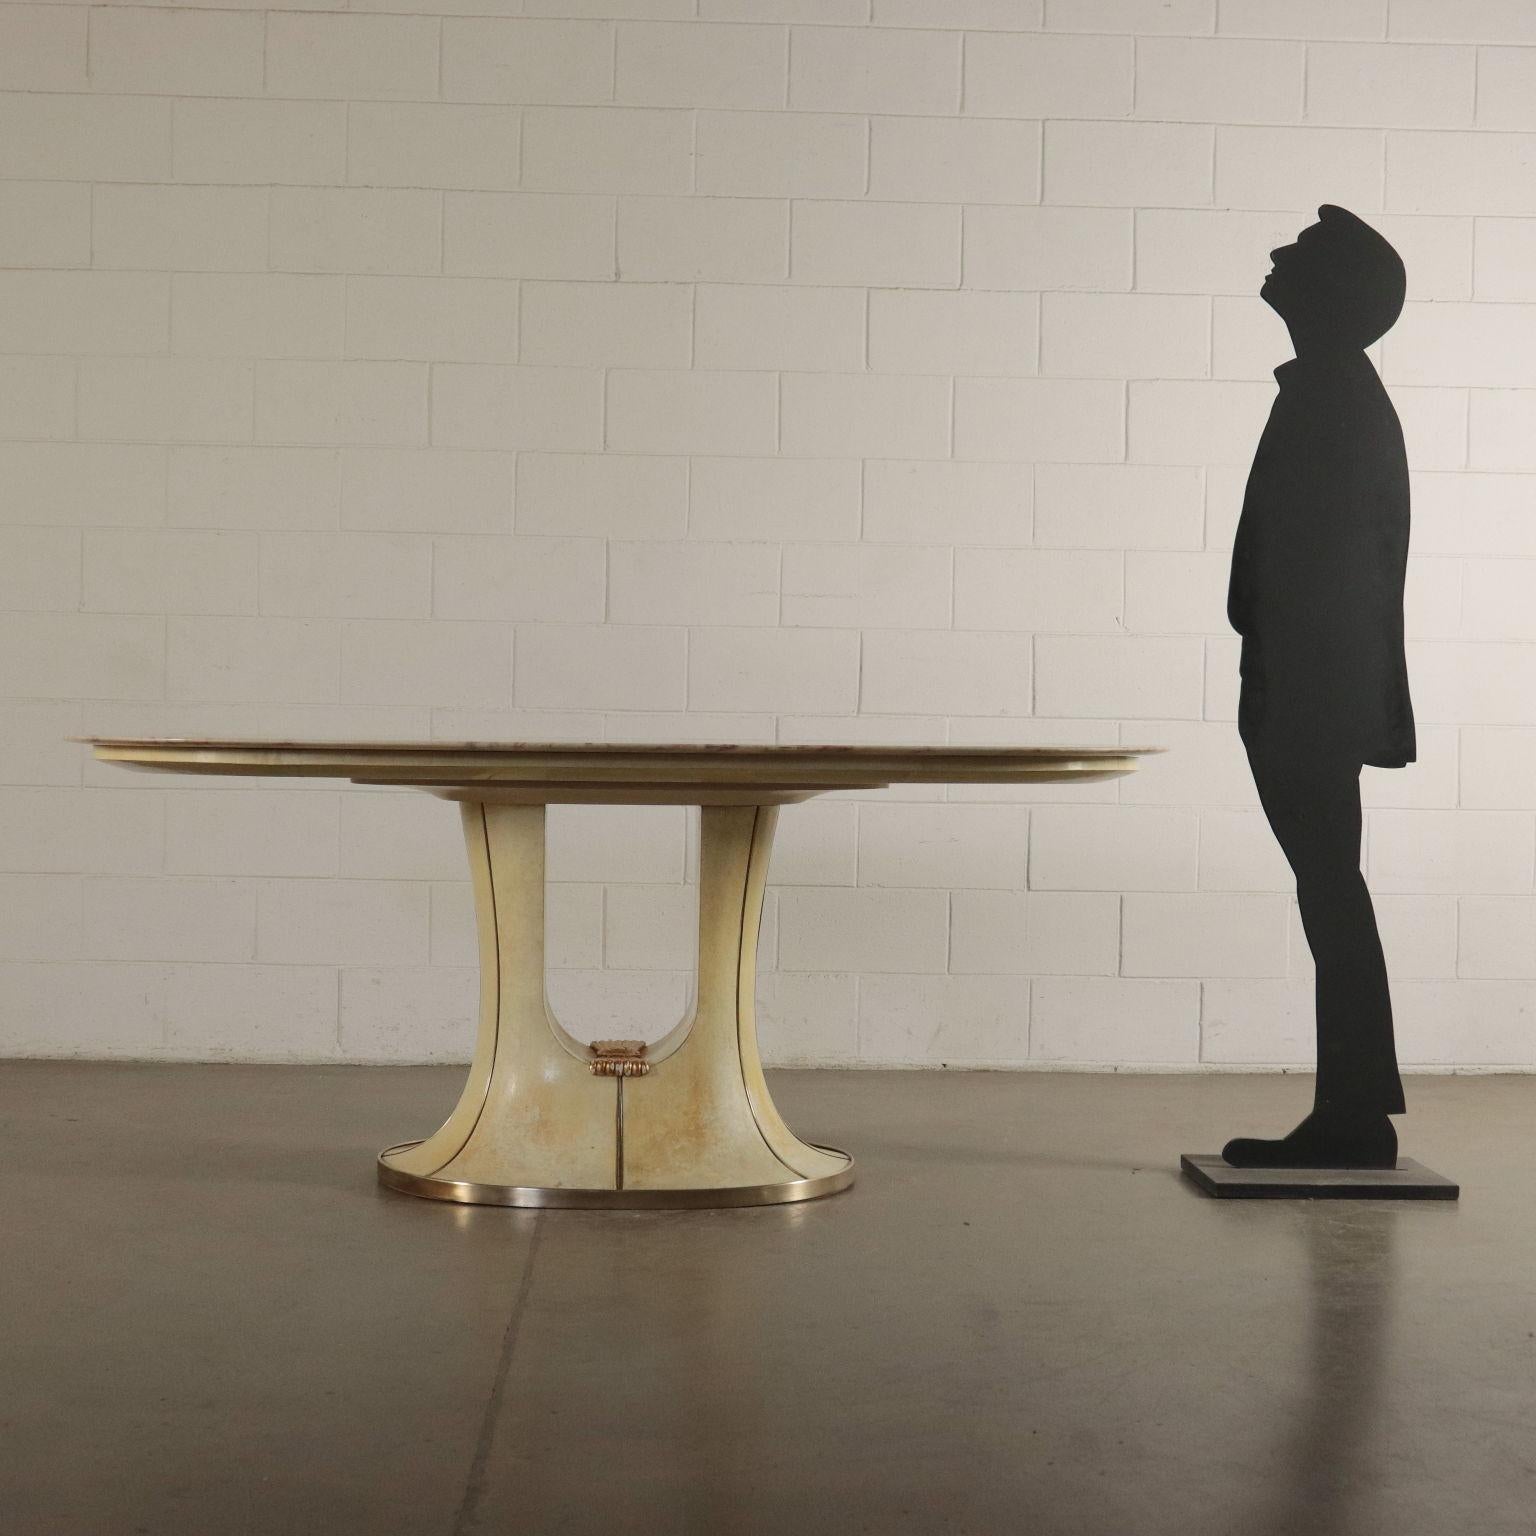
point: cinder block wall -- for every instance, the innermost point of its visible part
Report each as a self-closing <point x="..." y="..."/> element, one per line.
<point x="770" y="370"/>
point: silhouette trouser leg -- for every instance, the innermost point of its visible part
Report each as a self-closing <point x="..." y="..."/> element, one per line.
<point x="1313" y="806"/>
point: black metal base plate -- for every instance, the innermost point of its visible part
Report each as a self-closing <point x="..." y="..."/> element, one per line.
<point x="1408" y="1181"/>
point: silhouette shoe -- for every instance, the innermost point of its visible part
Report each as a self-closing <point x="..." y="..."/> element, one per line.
<point x="1368" y="1141"/>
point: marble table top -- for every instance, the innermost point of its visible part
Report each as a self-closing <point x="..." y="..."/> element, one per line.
<point x="669" y="772"/>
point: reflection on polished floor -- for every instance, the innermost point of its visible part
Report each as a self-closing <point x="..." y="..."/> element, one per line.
<point x="1020" y="1319"/>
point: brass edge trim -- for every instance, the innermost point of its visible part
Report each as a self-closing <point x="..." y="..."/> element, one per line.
<point x="618" y="1132"/>
<point x="590" y="750"/>
<point x="462" y="1192"/>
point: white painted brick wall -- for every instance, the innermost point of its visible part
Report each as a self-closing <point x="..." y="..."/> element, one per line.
<point x="796" y="370"/>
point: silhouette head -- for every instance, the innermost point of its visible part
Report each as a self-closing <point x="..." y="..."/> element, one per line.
<point x="1339" y="282"/>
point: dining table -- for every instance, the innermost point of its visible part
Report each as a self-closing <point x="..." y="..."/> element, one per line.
<point x="546" y="1119"/>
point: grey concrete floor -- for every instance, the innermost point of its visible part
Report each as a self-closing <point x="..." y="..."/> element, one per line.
<point x="1019" y="1320"/>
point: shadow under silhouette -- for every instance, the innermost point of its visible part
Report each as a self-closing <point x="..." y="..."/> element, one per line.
<point x="1335" y="1442"/>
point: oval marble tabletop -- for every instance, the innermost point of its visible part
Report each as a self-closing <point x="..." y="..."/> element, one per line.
<point x="546" y="772"/>
<point x="546" y="1119"/>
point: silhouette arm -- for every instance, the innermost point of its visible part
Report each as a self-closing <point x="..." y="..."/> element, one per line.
<point x="1327" y="584"/>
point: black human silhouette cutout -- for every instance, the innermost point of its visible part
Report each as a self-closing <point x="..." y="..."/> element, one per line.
<point x="1317" y="595"/>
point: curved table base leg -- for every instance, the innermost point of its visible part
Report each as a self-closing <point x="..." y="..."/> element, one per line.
<point x="547" y="1121"/>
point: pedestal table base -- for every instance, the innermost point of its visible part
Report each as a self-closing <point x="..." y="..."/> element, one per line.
<point x="546" y="1120"/>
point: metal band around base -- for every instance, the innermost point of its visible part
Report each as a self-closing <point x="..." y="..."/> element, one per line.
<point x="465" y="1193"/>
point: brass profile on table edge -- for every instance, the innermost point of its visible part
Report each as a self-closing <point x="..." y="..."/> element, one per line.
<point x="618" y="1058"/>
<point x="464" y="1192"/>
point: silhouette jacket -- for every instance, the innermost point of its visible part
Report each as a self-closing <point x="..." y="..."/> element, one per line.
<point x="1318" y="565"/>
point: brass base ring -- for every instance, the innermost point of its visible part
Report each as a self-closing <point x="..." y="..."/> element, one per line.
<point x="464" y="1192"/>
